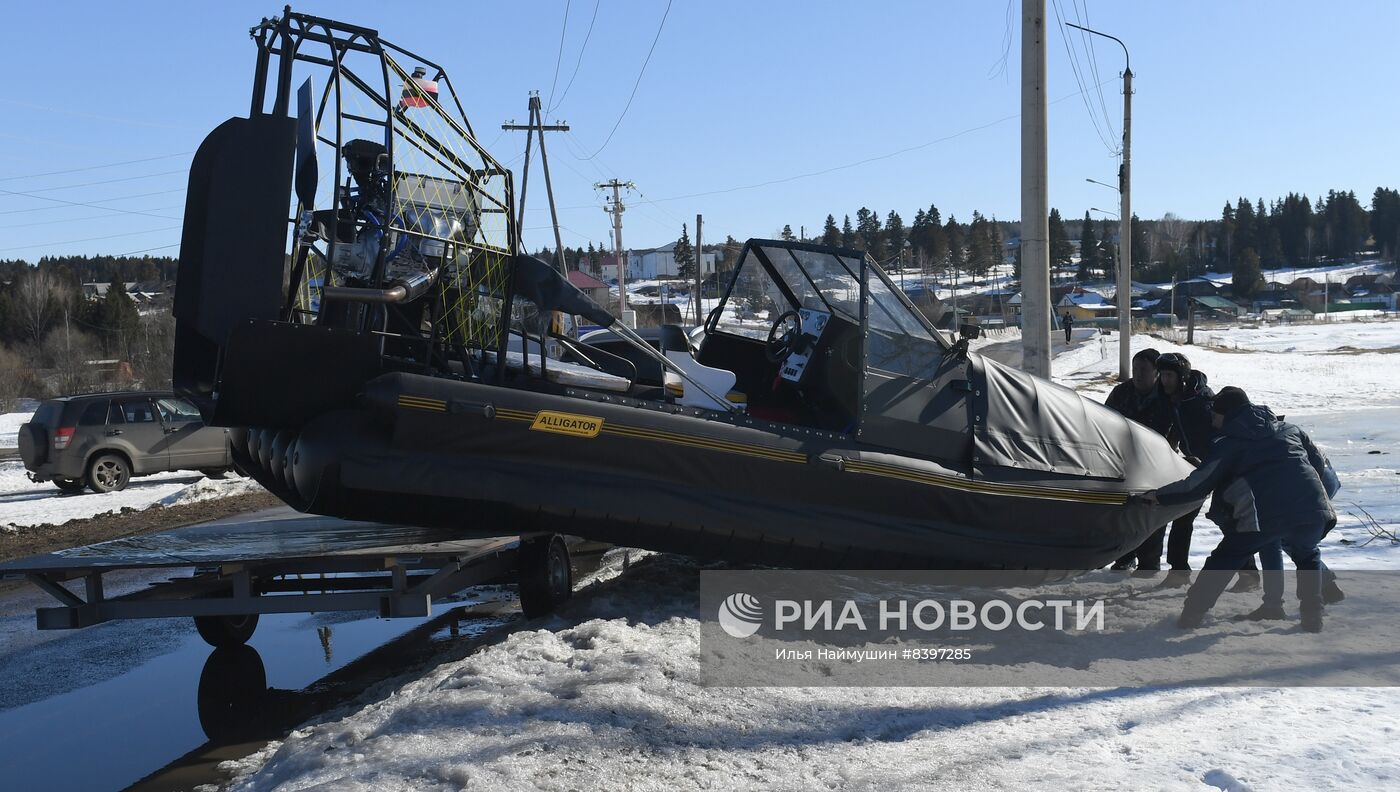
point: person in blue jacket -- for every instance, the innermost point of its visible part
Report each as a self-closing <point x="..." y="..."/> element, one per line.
<point x="1269" y="477"/>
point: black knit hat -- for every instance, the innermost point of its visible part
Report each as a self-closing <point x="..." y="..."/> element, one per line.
<point x="1149" y="354"/>
<point x="1228" y="400"/>
<point x="1176" y="362"/>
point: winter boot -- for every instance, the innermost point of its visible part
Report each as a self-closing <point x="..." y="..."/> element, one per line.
<point x="1332" y="593"/>
<point x="1176" y="578"/>
<point x="1264" y="613"/>
<point x="1248" y="580"/>
<point x="1121" y="565"/>
<point x="1312" y="621"/>
<point x="1190" y="619"/>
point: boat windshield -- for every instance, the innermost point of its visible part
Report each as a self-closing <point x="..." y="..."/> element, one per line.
<point x="772" y="277"/>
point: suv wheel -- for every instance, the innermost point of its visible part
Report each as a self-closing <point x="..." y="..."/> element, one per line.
<point x="70" y="485"/>
<point x="108" y="473"/>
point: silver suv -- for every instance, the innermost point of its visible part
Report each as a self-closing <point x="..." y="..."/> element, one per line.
<point x="102" y="440"/>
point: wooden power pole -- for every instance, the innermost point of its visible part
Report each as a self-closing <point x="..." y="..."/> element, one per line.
<point x="536" y="124"/>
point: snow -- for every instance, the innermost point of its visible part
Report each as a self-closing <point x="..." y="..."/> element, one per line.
<point x="1336" y="273"/>
<point x="612" y="696"/>
<point x="9" y="427"/>
<point x="24" y="504"/>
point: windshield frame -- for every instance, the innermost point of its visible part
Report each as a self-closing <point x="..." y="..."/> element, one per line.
<point x="757" y="247"/>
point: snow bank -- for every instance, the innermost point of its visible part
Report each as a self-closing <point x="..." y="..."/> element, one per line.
<point x="25" y="504"/>
<point x="9" y="428"/>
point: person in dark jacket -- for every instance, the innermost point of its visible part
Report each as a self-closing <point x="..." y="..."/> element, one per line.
<point x="1189" y="397"/>
<point x="1068" y="323"/>
<point x="1268" y="475"/>
<point x="1141" y="399"/>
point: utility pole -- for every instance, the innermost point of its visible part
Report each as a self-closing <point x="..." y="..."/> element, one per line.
<point x="1125" y="215"/>
<point x="536" y="124"/>
<point x="616" y="208"/>
<point x="699" y="269"/>
<point x="1035" y="198"/>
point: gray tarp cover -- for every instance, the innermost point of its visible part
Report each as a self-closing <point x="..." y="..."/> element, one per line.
<point x="1034" y="424"/>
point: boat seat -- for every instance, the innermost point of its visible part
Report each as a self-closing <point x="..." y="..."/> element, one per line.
<point x="676" y="346"/>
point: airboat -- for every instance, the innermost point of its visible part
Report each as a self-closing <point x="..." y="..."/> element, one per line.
<point x="354" y="302"/>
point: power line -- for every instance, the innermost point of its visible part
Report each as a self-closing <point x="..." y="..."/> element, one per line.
<point x="564" y="28"/>
<point x="87" y="239"/>
<point x="80" y="203"/>
<point x="80" y="219"/>
<point x="147" y="250"/>
<point x="579" y="62"/>
<point x="109" y="181"/>
<point x="95" y="167"/>
<point x="636" y="84"/>
<point x="94" y="204"/>
<point x="1094" y="65"/>
<point x="999" y="66"/>
<point x="1078" y="78"/>
<point x="854" y="164"/>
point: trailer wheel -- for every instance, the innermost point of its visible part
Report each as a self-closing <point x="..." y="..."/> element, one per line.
<point x="546" y="576"/>
<point x="219" y="631"/>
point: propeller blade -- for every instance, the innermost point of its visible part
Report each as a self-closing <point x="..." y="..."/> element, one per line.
<point x="306" y="174"/>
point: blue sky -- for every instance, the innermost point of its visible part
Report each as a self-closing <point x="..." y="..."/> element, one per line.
<point x="1234" y="98"/>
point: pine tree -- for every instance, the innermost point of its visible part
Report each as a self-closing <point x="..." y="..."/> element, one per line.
<point x="957" y="252"/>
<point x="894" y="234"/>
<point x="979" y="254"/>
<point x="831" y="235"/>
<point x="120" y="320"/>
<point x="787" y="234"/>
<point x="1246" y="275"/>
<point x="1108" y="253"/>
<point x="848" y="234"/>
<point x="1088" y="249"/>
<point x="1142" y="248"/>
<point x="935" y="239"/>
<point x="685" y="255"/>
<point x="871" y="240"/>
<point x="1061" y="249"/>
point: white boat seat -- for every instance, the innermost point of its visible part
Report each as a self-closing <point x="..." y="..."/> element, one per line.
<point x="716" y="380"/>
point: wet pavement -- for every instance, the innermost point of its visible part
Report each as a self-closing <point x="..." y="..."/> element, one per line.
<point x="105" y="707"/>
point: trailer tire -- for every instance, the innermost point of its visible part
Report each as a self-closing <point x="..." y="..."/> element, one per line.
<point x="222" y="631"/>
<point x="546" y="575"/>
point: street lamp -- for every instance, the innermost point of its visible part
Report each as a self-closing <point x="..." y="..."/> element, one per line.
<point x="1102" y="184"/>
<point x="1110" y="214"/>
<point x="1125" y="240"/>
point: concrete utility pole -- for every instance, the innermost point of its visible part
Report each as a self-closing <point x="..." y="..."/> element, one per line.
<point x="699" y="269"/>
<point x="1035" y="198"/>
<point x="1125" y="214"/>
<point x="616" y="208"/>
<point x="536" y="124"/>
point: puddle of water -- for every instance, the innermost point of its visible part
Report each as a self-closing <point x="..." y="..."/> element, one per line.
<point x="120" y="700"/>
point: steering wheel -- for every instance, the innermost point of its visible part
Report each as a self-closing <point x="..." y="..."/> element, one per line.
<point x="782" y="336"/>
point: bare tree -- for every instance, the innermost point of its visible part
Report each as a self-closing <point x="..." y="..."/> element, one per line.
<point x="1173" y="232"/>
<point x="40" y="300"/>
<point x="72" y="353"/>
<point x="12" y="377"/>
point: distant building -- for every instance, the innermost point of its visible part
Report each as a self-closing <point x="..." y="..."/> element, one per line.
<point x="660" y="262"/>
<point x="1084" y="304"/>
<point x="589" y="285"/>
